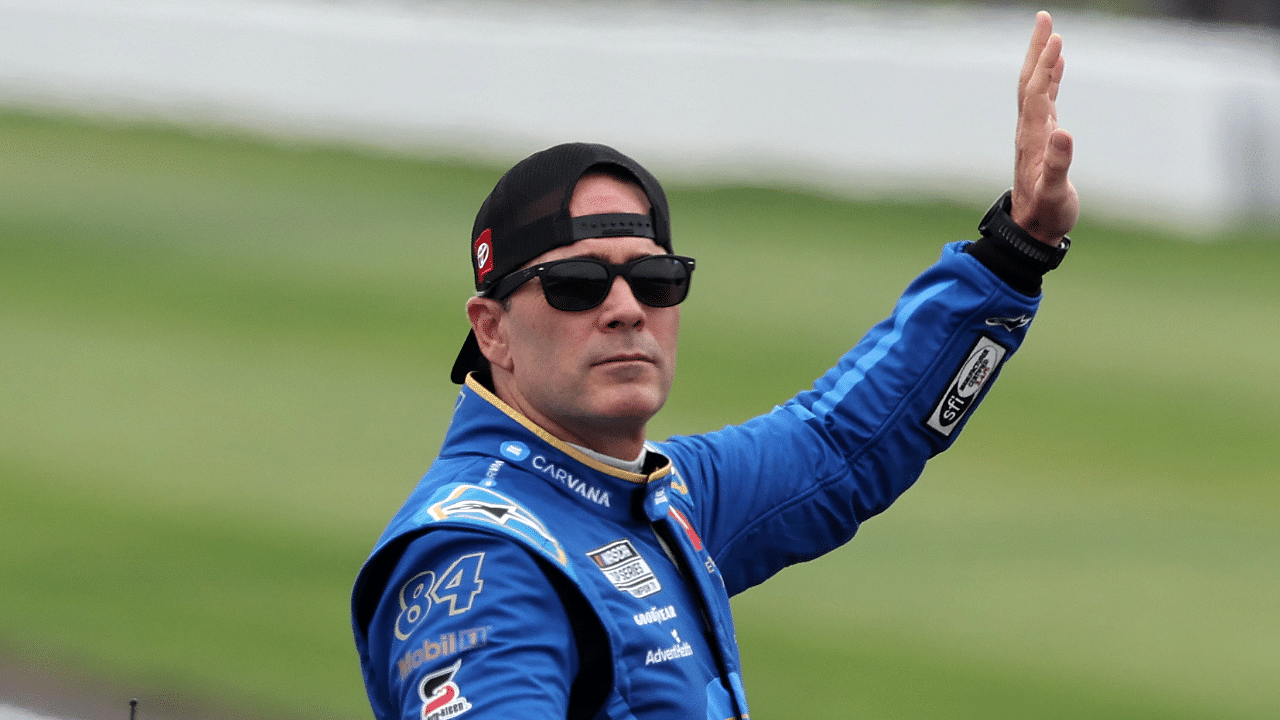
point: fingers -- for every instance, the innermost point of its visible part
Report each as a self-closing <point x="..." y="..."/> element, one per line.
<point x="1047" y="70"/>
<point x="1038" y="94"/>
<point x="1044" y="201"/>
<point x="1039" y="38"/>
<point x="1055" y="77"/>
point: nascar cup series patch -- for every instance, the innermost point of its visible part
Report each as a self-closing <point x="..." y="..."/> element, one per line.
<point x="625" y="568"/>
<point x="966" y="385"/>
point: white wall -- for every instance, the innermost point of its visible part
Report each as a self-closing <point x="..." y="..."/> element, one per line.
<point x="1174" y="123"/>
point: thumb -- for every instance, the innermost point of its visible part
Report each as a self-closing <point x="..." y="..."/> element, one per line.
<point x="1057" y="158"/>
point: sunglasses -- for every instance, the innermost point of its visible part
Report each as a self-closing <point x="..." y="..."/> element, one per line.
<point x="582" y="283"/>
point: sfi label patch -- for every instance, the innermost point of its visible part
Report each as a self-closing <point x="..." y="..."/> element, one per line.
<point x="962" y="391"/>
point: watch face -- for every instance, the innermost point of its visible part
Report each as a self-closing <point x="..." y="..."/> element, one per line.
<point x="1001" y="206"/>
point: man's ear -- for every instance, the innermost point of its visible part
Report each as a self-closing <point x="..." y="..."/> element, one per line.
<point x="486" y="317"/>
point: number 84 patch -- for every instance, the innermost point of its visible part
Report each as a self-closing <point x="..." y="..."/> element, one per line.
<point x="457" y="586"/>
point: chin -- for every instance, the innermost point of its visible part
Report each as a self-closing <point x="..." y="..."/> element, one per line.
<point x="633" y="404"/>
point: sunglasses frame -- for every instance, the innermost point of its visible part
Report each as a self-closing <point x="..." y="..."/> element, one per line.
<point x="513" y="281"/>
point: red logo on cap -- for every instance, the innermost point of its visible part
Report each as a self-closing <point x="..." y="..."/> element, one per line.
<point x="483" y="249"/>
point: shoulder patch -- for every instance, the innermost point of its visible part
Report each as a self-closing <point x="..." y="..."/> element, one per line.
<point x="442" y="699"/>
<point x="476" y="505"/>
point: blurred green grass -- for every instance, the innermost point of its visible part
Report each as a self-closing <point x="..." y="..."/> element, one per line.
<point x="224" y="364"/>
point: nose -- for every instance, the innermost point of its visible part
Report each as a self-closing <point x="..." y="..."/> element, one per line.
<point x="620" y="308"/>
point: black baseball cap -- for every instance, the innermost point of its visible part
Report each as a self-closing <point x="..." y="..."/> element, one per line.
<point x="527" y="214"/>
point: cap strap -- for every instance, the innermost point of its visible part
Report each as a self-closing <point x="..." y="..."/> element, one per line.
<point x="613" y="225"/>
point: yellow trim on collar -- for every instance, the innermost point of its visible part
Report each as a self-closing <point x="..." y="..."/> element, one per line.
<point x="478" y="388"/>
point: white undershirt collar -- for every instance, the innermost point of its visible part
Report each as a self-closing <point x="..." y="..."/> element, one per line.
<point x="631" y="466"/>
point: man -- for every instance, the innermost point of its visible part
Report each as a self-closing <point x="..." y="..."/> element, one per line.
<point x="553" y="563"/>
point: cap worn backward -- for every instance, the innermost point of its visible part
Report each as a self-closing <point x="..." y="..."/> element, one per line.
<point x="527" y="214"/>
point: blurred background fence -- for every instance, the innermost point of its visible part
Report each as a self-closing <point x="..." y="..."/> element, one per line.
<point x="1177" y="122"/>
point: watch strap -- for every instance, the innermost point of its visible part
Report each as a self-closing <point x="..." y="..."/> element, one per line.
<point x="1011" y="253"/>
<point x="998" y="225"/>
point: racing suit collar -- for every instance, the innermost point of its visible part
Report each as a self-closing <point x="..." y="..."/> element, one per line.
<point x="656" y="465"/>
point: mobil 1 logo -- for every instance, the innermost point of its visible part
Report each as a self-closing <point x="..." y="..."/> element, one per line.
<point x="962" y="392"/>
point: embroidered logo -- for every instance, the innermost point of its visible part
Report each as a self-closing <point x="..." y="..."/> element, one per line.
<point x="655" y="614"/>
<point x="1010" y="323"/>
<point x="569" y="480"/>
<point x="483" y="249"/>
<point x="478" y="504"/>
<point x="441" y="697"/>
<point x="514" y="449"/>
<point x="681" y="649"/>
<point x="447" y="645"/>
<point x="625" y="568"/>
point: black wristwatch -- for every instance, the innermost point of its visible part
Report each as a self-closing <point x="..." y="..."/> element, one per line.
<point x="999" y="227"/>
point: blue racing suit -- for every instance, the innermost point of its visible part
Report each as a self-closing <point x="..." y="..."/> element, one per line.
<point x="525" y="579"/>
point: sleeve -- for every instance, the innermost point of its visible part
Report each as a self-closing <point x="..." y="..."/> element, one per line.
<point x="470" y="623"/>
<point x="793" y="484"/>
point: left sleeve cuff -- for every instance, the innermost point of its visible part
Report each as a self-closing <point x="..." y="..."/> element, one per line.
<point x="1011" y="252"/>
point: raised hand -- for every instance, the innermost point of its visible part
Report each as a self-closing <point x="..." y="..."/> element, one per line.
<point x="1045" y="202"/>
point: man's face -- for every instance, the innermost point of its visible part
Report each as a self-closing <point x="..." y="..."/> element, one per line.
<point x="593" y="377"/>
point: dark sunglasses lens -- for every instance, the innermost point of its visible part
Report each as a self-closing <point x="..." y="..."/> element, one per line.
<point x="576" y="285"/>
<point x="660" y="281"/>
